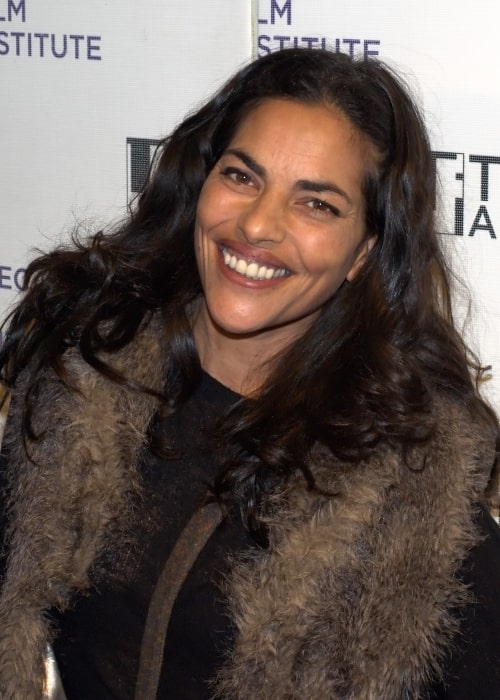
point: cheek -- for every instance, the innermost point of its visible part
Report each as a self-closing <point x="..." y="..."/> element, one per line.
<point x="324" y="254"/>
<point x="210" y="194"/>
<point x="200" y="211"/>
<point x="216" y="204"/>
<point x="197" y="238"/>
<point x="199" y="246"/>
<point x="330" y="260"/>
<point x="204" y="218"/>
<point x="204" y="248"/>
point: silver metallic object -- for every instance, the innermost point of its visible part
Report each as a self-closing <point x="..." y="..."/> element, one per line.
<point x="53" y="689"/>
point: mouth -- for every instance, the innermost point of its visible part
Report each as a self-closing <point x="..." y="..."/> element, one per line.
<point x="251" y="269"/>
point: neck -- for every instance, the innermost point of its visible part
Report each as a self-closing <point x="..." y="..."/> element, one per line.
<point x="242" y="362"/>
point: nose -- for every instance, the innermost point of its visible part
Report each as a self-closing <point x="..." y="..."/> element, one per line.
<point x="263" y="219"/>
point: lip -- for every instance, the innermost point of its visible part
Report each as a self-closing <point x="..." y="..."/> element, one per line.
<point x="252" y="254"/>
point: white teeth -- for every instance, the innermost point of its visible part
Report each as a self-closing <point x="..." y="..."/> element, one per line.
<point x="241" y="267"/>
<point x="252" y="269"/>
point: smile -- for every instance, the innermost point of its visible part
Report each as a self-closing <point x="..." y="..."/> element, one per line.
<point x="252" y="270"/>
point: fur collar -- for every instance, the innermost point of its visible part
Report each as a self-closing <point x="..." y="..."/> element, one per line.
<point x="354" y="597"/>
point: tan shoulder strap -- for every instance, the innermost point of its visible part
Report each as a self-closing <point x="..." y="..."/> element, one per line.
<point x="175" y="570"/>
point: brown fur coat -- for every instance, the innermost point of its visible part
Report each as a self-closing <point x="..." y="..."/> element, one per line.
<point x="354" y="598"/>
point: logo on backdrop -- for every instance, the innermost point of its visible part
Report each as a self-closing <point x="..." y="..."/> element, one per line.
<point x="11" y="278"/>
<point x="139" y="156"/>
<point x="276" y="32"/>
<point x="17" y="38"/>
<point x="466" y="183"/>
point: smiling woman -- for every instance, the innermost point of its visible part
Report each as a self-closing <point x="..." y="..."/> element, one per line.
<point x="280" y="226"/>
<point x="246" y="457"/>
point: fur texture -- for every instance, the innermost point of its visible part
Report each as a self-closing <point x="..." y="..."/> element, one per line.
<point x="353" y="600"/>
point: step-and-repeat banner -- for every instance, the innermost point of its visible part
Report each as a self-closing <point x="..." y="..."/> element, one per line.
<point x="86" y="90"/>
<point x="448" y="53"/>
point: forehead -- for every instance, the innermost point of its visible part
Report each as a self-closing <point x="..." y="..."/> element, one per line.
<point x="300" y="140"/>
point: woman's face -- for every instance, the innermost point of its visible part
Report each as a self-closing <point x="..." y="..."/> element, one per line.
<point x="280" y="219"/>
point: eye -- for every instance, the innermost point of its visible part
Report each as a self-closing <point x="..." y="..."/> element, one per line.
<point x="322" y="208"/>
<point x="239" y="177"/>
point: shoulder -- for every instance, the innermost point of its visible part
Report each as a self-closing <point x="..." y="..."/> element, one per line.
<point x="90" y="423"/>
<point x="71" y="383"/>
<point x="465" y="448"/>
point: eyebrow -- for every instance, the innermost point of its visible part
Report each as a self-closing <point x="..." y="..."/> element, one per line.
<point x="320" y="186"/>
<point x="310" y="185"/>
<point x="248" y="160"/>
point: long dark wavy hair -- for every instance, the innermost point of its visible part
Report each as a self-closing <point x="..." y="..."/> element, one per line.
<point x="366" y="371"/>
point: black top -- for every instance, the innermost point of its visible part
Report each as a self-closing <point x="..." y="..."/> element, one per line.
<point x="472" y="668"/>
<point x="100" y="637"/>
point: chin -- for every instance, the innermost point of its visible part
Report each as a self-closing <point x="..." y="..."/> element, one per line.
<point x="236" y="321"/>
<point x="237" y="327"/>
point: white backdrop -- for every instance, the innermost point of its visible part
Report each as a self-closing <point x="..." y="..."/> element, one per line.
<point x="448" y="52"/>
<point x="88" y="86"/>
<point x="83" y="86"/>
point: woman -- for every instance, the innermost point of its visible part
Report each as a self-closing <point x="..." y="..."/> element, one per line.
<point x="267" y="347"/>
